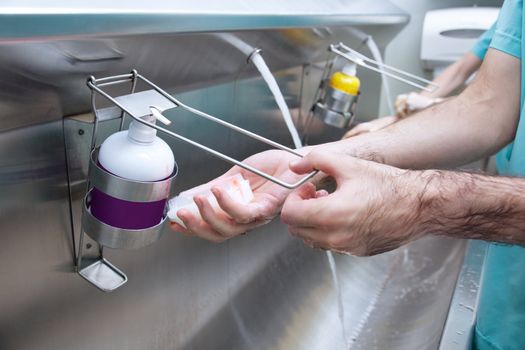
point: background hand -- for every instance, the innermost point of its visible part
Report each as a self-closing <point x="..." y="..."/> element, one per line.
<point x="413" y="102"/>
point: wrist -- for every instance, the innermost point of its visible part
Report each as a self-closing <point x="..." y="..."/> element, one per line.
<point x="450" y="201"/>
<point x="430" y="200"/>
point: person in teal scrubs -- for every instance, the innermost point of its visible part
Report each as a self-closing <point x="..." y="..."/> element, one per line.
<point x="453" y="77"/>
<point x="483" y="43"/>
<point x="501" y="315"/>
<point x="390" y="189"/>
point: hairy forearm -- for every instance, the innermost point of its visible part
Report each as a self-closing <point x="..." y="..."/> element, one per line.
<point x="467" y="205"/>
<point x="441" y="136"/>
<point x="468" y="127"/>
<point x="453" y="133"/>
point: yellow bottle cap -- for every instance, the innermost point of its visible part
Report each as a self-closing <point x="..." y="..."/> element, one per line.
<point x="346" y="83"/>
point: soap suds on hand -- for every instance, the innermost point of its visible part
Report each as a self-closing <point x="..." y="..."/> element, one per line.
<point x="236" y="186"/>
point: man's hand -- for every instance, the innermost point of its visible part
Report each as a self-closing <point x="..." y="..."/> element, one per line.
<point x="407" y="104"/>
<point x="375" y="207"/>
<point x="237" y="218"/>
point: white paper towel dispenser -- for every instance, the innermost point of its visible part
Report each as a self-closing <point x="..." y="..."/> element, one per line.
<point x="449" y="33"/>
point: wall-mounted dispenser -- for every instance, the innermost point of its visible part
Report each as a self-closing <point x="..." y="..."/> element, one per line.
<point x="136" y="154"/>
<point x="339" y="100"/>
<point x="336" y="99"/>
<point x="449" y="33"/>
<point x="125" y="206"/>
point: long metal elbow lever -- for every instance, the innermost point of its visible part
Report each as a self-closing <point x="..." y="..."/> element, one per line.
<point x="95" y="87"/>
<point x="408" y="78"/>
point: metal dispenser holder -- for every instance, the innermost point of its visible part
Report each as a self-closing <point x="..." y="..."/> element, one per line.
<point x="338" y="110"/>
<point x="101" y="272"/>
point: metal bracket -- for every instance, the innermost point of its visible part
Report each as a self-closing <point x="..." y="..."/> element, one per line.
<point x="392" y="72"/>
<point x="99" y="271"/>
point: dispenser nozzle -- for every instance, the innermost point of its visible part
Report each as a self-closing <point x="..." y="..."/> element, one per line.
<point x="157" y="113"/>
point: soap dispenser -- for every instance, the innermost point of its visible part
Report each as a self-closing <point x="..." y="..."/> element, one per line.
<point x="338" y="98"/>
<point x="136" y="154"/>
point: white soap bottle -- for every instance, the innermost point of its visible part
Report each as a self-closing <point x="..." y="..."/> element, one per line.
<point x="135" y="154"/>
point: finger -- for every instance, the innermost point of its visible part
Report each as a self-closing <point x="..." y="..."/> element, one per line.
<point x="198" y="227"/>
<point x="327" y="162"/>
<point x="302" y="208"/>
<point x="219" y="223"/>
<point x="178" y="228"/>
<point x="242" y="213"/>
<point x="306" y="191"/>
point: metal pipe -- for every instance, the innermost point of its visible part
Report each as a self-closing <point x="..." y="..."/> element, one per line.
<point x="229" y="159"/>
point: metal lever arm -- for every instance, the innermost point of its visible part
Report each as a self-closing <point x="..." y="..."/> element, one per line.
<point x="92" y="83"/>
<point x="392" y="72"/>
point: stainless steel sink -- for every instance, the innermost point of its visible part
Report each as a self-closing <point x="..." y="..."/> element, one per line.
<point x="398" y="300"/>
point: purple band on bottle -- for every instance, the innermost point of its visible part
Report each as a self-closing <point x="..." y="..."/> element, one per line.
<point x="125" y="214"/>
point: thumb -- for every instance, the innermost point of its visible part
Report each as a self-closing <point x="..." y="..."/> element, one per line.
<point x="327" y="162"/>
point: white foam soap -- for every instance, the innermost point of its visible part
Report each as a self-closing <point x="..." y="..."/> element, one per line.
<point x="236" y="186"/>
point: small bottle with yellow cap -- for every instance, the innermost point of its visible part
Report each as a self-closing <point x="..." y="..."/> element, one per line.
<point x="337" y="105"/>
<point x="346" y="80"/>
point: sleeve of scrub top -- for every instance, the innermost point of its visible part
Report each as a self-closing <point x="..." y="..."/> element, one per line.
<point x="482" y="45"/>
<point x="507" y="35"/>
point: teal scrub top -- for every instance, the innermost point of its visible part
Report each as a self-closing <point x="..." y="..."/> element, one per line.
<point x="482" y="45"/>
<point x="500" y="321"/>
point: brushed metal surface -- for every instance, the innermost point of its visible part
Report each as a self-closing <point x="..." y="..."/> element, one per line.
<point x="41" y="83"/>
<point x="59" y="18"/>
<point x="264" y="290"/>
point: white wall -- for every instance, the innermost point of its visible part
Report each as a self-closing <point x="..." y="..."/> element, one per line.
<point x="403" y="51"/>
